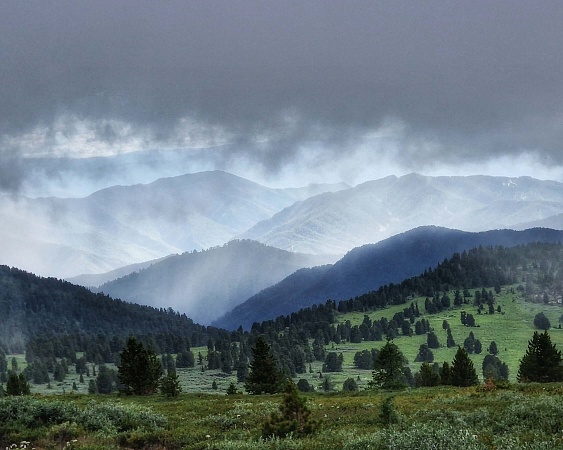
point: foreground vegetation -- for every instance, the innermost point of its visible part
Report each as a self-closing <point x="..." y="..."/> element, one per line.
<point x="522" y="417"/>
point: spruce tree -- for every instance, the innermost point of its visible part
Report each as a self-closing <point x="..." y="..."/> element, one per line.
<point x="463" y="372"/>
<point x="542" y="361"/>
<point x="426" y="376"/>
<point x="170" y="384"/>
<point x="292" y="419"/>
<point x="389" y="368"/>
<point x="140" y="369"/>
<point x="17" y="384"/>
<point x="264" y="376"/>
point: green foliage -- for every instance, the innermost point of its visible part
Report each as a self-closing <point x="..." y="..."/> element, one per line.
<point x="463" y="372"/>
<point x="232" y="389"/>
<point x="542" y="362"/>
<point x="388" y="414"/>
<point x="389" y="368"/>
<point x="170" y="385"/>
<point x="304" y="386"/>
<point x="293" y="418"/>
<point x="333" y="362"/>
<point x="264" y="376"/>
<point x="424" y="354"/>
<point x="494" y="368"/>
<point x="350" y="385"/>
<point x="541" y="322"/>
<point x="17" y="385"/>
<point x="426" y="376"/>
<point x="140" y="371"/>
<point x="105" y="380"/>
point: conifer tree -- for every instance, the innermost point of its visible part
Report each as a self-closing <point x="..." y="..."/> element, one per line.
<point x="389" y="368"/>
<point x="463" y="372"/>
<point x="17" y="384"/>
<point x="426" y="376"/>
<point x="542" y="362"/>
<point x="446" y="374"/>
<point x="264" y="376"/>
<point x="293" y="419"/>
<point x="170" y="384"/>
<point x="140" y="369"/>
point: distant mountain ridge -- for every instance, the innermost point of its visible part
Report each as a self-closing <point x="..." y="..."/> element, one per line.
<point x="337" y="222"/>
<point x="205" y="285"/>
<point x="368" y="267"/>
<point x="122" y="225"/>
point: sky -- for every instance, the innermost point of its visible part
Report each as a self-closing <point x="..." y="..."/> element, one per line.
<point x="281" y="92"/>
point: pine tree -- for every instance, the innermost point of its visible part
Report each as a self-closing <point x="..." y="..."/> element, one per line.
<point x="17" y="384"/>
<point x="264" y="376"/>
<point x="542" y="361"/>
<point x="389" y="368"/>
<point x="446" y="374"/>
<point x="426" y="376"/>
<point x="140" y="369"/>
<point x="170" y="384"/>
<point x="450" y="342"/>
<point x="463" y="371"/>
<point x="232" y="389"/>
<point x="293" y="419"/>
<point x="424" y="354"/>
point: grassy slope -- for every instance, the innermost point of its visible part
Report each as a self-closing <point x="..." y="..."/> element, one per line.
<point x="511" y="330"/>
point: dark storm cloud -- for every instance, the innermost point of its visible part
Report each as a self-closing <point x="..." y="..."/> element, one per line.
<point x="465" y="80"/>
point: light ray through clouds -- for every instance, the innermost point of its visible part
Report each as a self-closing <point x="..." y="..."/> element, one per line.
<point x="284" y="93"/>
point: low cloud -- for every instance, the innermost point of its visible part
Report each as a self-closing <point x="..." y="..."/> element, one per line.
<point x="415" y="85"/>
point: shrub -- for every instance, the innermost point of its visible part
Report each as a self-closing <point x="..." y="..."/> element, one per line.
<point x="292" y="419"/>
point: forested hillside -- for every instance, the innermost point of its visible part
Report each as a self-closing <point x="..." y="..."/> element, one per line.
<point x="368" y="267"/>
<point x="205" y="285"/>
<point x="50" y="311"/>
<point x="33" y="306"/>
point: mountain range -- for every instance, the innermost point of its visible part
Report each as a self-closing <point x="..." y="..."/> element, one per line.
<point x="205" y="285"/>
<point x="124" y="225"/>
<point x="369" y="267"/>
<point x="339" y="221"/>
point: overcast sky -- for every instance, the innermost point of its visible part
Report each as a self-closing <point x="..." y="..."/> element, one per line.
<point x="285" y="92"/>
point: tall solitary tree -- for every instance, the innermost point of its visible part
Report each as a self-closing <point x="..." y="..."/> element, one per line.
<point x="140" y="369"/>
<point x="389" y="368"/>
<point x="264" y="376"/>
<point x="542" y="362"/>
<point x="463" y="372"/>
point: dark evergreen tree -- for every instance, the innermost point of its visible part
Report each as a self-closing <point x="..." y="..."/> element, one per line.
<point x="478" y="347"/>
<point x="492" y="349"/>
<point x="293" y="419"/>
<point x="424" y="354"/>
<point x="333" y="362"/>
<point x="170" y="384"/>
<point x="104" y="380"/>
<point x="542" y="362"/>
<point x="350" y="385"/>
<point x="541" y="322"/>
<point x="389" y="368"/>
<point x="494" y="368"/>
<point x="432" y="340"/>
<point x="139" y="371"/>
<point x="232" y="389"/>
<point x="304" y="386"/>
<point x="17" y="384"/>
<point x="463" y="372"/>
<point x="450" y="342"/>
<point x="264" y="376"/>
<point x="426" y="376"/>
<point x="185" y="359"/>
<point x="92" y="387"/>
<point x="446" y="374"/>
